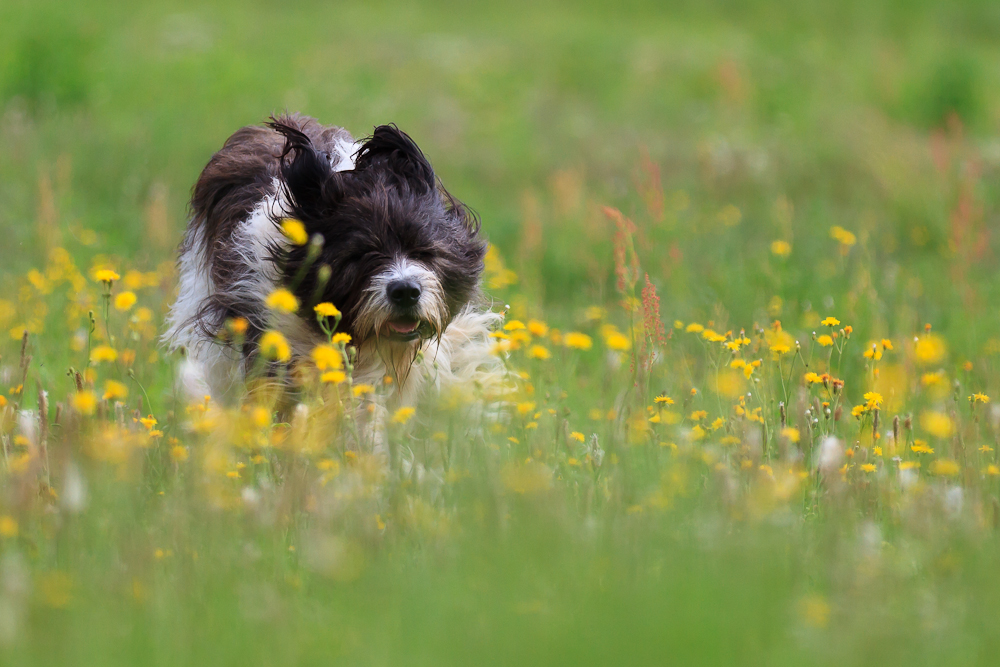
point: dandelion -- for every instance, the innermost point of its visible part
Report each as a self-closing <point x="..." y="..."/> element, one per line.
<point x="576" y="435"/>
<point x="944" y="468"/>
<point x="868" y="467"/>
<point x="791" y="433"/>
<point x="274" y="346"/>
<point x="106" y="276"/>
<point x="326" y="309"/>
<point x="327" y="357"/>
<point x="781" y="248"/>
<point x="333" y="377"/>
<point x="830" y="322"/>
<point x="295" y="231"/>
<point x="525" y="407"/>
<point x="124" y="301"/>
<point x="616" y="341"/>
<point x="846" y="238"/>
<point x="114" y="390"/>
<point x="282" y="300"/>
<point x="341" y="337"/>
<point x="694" y="327"/>
<point x="578" y="341"/>
<point x="979" y="398"/>
<point x="825" y="340"/>
<point x="937" y="424"/>
<point x="930" y="349"/>
<point x="362" y="389"/>
<point x="993" y="470"/>
<point x="84" y="402"/>
<point x="920" y="447"/>
<point x="8" y="526"/>
<point x="403" y="415"/>
<point x="698" y="415"/>
<point x="537" y="328"/>
<point x="103" y="353"/>
<point x="874" y="399"/>
<point x="539" y="352"/>
<point x="238" y="325"/>
<point x="663" y="398"/>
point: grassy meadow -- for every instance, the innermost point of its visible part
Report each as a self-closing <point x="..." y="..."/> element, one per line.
<point x="748" y="261"/>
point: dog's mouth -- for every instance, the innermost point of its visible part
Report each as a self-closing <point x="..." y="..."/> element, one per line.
<point x="406" y="329"/>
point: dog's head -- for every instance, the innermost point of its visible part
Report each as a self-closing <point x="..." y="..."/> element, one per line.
<point x="400" y="257"/>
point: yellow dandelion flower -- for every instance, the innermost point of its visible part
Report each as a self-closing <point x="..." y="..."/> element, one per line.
<point x="993" y="470"/>
<point x="874" y="399"/>
<point x="698" y="415"/>
<point x="326" y="309"/>
<point x="403" y="415"/>
<point x="937" y="424"/>
<point x="694" y="327"/>
<point x="114" y="390"/>
<point x="178" y="453"/>
<point x="537" y="328"/>
<point x="274" y="346"/>
<point x="791" y="433"/>
<point x="333" y="377"/>
<point x="327" y="357"/>
<point x="525" y="407"/>
<point x="920" y="447"/>
<point x="944" y="468"/>
<point x="8" y="526"/>
<point x="341" y="337"/>
<point x="825" y="340"/>
<point x="361" y="389"/>
<point x="103" y="353"/>
<point x="830" y="322"/>
<point x="514" y="325"/>
<point x="84" y="402"/>
<point x="663" y="399"/>
<point x="282" y="300"/>
<point x="617" y="341"/>
<point x="979" y="398"/>
<point x="930" y="349"/>
<point x="106" y="276"/>
<point x="124" y="301"/>
<point x="868" y="467"/>
<point x="295" y="231"/>
<point x="539" y="352"/>
<point x="576" y="435"/>
<point x="781" y="248"/>
<point x="886" y="344"/>
<point x="577" y="340"/>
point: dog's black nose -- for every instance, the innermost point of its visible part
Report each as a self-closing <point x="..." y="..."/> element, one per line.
<point x="403" y="293"/>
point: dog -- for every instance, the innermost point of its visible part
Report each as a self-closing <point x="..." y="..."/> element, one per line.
<point x="390" y="247"/>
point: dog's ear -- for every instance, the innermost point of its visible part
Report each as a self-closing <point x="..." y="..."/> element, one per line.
<point x="392" y="149"/>
<point x="307" y="172"/>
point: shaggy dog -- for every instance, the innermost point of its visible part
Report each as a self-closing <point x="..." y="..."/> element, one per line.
<point x="389" y="246"/>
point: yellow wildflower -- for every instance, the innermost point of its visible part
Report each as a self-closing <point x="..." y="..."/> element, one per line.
<point x="333" y="377"/>
<point x="514" y="325"/>
<point x="124" y="301"/>
<point x="84" y="402"/>
<point x="282" y="300"/>
<point x="979" y="398"/>
<point x="663" y="399"/>
<point x="781" y="248"/>
<point x="107" y="276"/>
<point x="403" y="414"/>
<point x="617" y="341"/>
<point x="103" y="353"/>
<point x="825" y="340"/>
<point x="8" y="526"/>
<point x="694" y="327"/>
<point x="539" y="352"/>
<point x="326" y="309"/>
<point x="295" y="231"/>
<point x="361" y="389"/>
<point x="868" y="467"/>
<point x="114" y="390"/>
<point x="576" y="435"/>
<point x="830" y="322"/>
<point x="274" y="346"/>
<point x="577" y="340"/>
<point x="930" y="349"/>
<point x="327" y="357"/>
<point x="944" y="468"/>
<point x="537" y="328"/>
<point x="341" y="337"/>
<point x="937" y="423"/>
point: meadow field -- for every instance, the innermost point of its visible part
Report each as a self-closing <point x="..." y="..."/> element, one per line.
<point x="746" y="254"/>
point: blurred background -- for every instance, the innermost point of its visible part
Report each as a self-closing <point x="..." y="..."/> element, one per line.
<point x="720" y="127"/>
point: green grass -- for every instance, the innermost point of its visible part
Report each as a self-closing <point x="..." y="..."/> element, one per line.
<point x="719" y="128"/>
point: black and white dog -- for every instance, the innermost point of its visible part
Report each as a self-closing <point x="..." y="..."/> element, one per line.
<point x="400" y="257"/>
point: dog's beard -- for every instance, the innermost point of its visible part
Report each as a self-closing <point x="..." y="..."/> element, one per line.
<point x="387" y="328"/>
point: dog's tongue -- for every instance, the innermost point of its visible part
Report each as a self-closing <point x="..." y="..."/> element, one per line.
<point x="403" y="327"/>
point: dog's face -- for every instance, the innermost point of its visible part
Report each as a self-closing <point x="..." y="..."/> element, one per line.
<point x="400" y="257"/>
